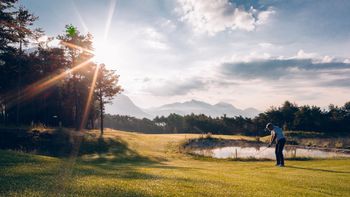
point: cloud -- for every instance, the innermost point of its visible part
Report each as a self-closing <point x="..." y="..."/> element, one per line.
<point x="219" y="15"/>
<point x="177" y="87"/>
<point x="265" y="45"/>
<point x="343" y="82"/>
<point x="284" y="75"/>
<point x="167" y="25"/>
<point x="327" y="59"/>
<point x="303" y="55"/>
<point x="154" y="39"/>
<point x="274" y="69"/>
<point x="253" y="56"/>
<point x="187" y="85"/>
<point x="263" y="16"/>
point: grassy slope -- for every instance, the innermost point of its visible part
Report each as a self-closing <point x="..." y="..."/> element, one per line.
<point x="151" y="165"/>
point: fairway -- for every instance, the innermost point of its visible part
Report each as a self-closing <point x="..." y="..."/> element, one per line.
<point x="152" y="165"/>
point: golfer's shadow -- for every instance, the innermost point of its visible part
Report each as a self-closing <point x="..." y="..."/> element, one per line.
<point x="319" y="170"/>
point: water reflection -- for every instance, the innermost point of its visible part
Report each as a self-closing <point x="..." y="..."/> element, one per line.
<point x="264" y="152"/>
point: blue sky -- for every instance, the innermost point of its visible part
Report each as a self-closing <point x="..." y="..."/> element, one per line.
<point x="248" y="53"/>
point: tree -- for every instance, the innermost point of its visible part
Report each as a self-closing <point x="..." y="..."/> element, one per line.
<point x="77" y="48"/>
<point x="288" y="111"/>
<point x="346" y="107"/>
<point x="15" y="31"/>
<point x="346" y="117"/>
<point x="44" y="84"/>
<point x="7" y="20"/>
<point x="309" y="119"/>
<point x="49" y="62"/>
<point x="23" y="21"/>
<point x="106" y="87"/>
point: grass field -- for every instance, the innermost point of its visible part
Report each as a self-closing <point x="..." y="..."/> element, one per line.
<point x="152" y="165"/>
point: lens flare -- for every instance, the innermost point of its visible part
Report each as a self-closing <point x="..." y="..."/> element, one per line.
<point x="89" y="99"/>
<point x="40" y="86"/>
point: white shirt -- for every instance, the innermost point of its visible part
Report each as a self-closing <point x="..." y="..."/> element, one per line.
<point x="278" y="132"/>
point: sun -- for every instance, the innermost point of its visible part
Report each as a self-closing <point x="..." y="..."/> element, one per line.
<point x="104" y="53"/>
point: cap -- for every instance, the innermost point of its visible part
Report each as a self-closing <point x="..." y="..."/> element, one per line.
<point x="268" y="125"/>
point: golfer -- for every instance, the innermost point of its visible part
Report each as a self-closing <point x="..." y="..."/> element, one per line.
<point x="277" y="134"/>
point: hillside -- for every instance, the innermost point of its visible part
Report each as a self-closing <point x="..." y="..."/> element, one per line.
<point x="123" y="105"/>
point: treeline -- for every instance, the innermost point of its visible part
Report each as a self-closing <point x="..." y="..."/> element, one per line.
<point x="52" y="85"/>
<point x="289" y="116"/>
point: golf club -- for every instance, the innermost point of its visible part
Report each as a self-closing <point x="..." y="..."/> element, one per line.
<point x="261" y="151"/>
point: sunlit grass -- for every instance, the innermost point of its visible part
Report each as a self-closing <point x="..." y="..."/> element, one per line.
<point x="153" y="165"/>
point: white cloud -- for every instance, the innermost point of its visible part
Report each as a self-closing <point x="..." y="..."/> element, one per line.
<point x="327" y="59"/>
<point x="316" y="58"/>
<point x="265" y="45"/>
<point x="168" y="25"/>
<point x="301" y="54"/>
<point x="247" y="58"/>
<point x="219" y="15"/>
<point x="182" y="86"/>
<point x="154" y="39"/>
<point x="54" y="43"/>
<point x="43" y="38"/>
<point x="263" y="16"/>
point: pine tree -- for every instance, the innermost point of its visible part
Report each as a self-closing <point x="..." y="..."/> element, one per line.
<point x="7" y="21"/>
<point x="77" y="47"/>
<point x="15" y="30"/>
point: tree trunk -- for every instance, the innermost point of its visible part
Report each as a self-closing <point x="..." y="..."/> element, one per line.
<point x="77" y="117"/>
<point x="3" y="113"/>
<point x="19" y="85"/>
<point x="92" y="123"/>
<point x="101" y="115"/>
<point x="75" y="97"/>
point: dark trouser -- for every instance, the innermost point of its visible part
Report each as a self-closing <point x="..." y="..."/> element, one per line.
<point x="279" y="151"/>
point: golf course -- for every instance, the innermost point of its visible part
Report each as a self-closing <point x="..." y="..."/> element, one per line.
<point x="154" y="165"/>
<point x="207" y="98"/>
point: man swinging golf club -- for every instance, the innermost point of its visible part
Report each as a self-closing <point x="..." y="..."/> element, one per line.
<point x="277" y="134"/>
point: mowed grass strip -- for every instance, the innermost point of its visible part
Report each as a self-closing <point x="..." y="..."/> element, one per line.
<point x="153" y="165"/>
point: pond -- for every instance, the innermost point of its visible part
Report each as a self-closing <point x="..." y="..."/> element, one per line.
<point x="264" y="152"/>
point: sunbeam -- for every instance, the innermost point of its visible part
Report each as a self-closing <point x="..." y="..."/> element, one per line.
<point x="40" y="86"/>
<point x="77" y="47"/>
<point x="49" y="81"/>
<point x="109" y="19"/>
<point x="88" y="101"/>
<point x="81" y="20"/>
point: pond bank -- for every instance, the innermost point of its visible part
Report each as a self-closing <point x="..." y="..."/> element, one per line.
<point x="253" y="149"/>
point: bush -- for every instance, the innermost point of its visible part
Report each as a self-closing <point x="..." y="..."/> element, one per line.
<point x="58" y="142"/>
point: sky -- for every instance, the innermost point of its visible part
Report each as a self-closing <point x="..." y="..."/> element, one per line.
<point x="255" y="53"/>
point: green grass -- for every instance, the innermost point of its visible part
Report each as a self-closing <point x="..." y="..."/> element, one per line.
<point x="153" y="165"/>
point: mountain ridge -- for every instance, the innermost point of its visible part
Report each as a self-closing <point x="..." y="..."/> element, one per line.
<point x="123" y="105"/>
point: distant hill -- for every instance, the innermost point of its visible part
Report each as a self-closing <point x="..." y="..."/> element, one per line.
<point x="200" y="107"/>
<point x="123" y="105"/>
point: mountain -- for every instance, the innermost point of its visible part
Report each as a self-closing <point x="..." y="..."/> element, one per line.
<point x="123" y="105"/>
<point x="251" y="112"/>
<point x="199" y="107"/>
